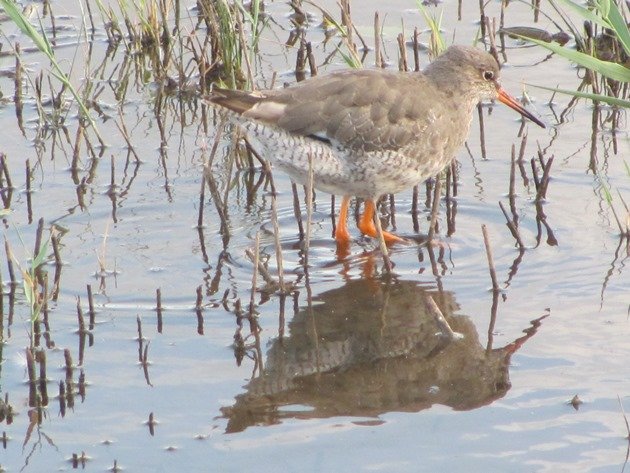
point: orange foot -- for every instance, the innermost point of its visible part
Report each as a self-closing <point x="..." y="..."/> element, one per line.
<point x="342" y="235"/>
<point x="367" y="227"/>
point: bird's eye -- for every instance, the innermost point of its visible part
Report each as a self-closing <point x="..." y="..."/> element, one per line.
<point x="488" y="75"/>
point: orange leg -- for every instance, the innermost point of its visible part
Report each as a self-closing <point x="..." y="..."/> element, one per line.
<point x="367" y="227"/>
<point x="342" y="235"/>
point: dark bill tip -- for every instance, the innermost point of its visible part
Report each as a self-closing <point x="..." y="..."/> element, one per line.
<point x="511" y="102"/>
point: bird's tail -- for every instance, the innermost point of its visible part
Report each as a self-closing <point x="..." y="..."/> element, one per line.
<point x="238" y="101"/>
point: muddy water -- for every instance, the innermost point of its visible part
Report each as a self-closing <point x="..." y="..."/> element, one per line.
<point x="350" y="370"/>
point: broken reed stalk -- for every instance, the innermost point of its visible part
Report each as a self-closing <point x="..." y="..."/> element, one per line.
<point x="40" y="357"/>
<point x="269" y="280"/>
<point x="402" y="51"/>
<point x="30" y="368"/>
<point x="276" y="234"/>
<point x="7" y="250"/>
<point x="158" y="309"/>
<point x="29" y="203"/>
<point x="55" y="244"/>
<point x="244" y="47"/>
<point x="439" y="318"/>
<point x="482" y="16"/>
<point x="38" y="237"/>
<point x="416" y="50"/>
<point x="491" y="27"/>
<point x="625" y="419"/>
<point x="544" y="180"/>
<point x="309" y="208"/>
<point x="17" y="96"/>
<point x="455" y="180"/>
<point x="76" y="150"/>
<point x="493" y="273"/>
<point x="296" y="210"/>
<point x="125" y="134"/>
<point x="300" y="59"/>
<point x="145" y="363"/>
<point x="482" y="134"/>
<point x="68" y="365"/>
<point x="414" y="209"/>
<point x="346" y="20"/>
<point x="139" y="329"/>
<point x="5" y="171"/>
<point x="520" y="161"/>
<point x="202" y="198"/>
<point x="252" y="299"/>
<point x="62" y="399"/>
<point x="435" y="208"/>
<point x="91" y="307"/>
<point x="535" y="175"/>
<point x="199" y="310"/>
<point x="512" y="188"/>
<point x="1" y="307"/>
<point x="451" y="204"/>
<point x="381" y="241"/>
<point x="80" y="316"/>
<point x="392" y="211"/>
<point x="378" y="60"/>
<point x="311" y="59"/>
<point x="512" y="227"/>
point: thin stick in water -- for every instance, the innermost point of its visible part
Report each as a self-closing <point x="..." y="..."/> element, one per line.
<point x="493" y="273"/>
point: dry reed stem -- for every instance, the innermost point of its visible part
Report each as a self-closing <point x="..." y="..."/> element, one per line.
<point x="252" y="299"/>
<point x="439" y="318"/>
<point x="512" y="227"/>
<point x="381" y="240"/>
<point x="435" y="209"/>
<point x="296" y="210"/>
<point x="414" y="209"/>
<point x="309" y="209"/>
<point x="91" y="310"/>
<point x="512" y="186"/>
<point x="29" y="203"/>
<point x="482" y="134"/>
<point x="416" y="50"/>
<point x="158" y="309"/>
<point x="378" y="59"/>
<point x="269" y="280"/>
<point x="276" y="238"/>
<point x="493" y="273"/>
<point x="199" y="310"/>
<point x="402" y="51"/>
<point x="7" y="250"/>
<point x="125" y="134"/>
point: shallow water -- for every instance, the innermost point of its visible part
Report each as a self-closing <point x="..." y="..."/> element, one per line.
<point x="348" y="371"/>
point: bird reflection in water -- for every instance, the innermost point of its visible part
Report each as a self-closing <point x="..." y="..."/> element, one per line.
<point x="373" y="346"/>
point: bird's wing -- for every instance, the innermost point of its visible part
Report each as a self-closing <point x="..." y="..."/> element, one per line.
<point x="363" y="110"/>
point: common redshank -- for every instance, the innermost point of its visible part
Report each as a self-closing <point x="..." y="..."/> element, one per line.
<point x="369" y="132"/>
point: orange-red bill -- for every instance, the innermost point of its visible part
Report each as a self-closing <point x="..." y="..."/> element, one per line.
<point x="511" y="102"/>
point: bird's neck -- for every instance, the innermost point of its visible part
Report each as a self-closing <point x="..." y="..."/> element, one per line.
<point x="452" y="84"/>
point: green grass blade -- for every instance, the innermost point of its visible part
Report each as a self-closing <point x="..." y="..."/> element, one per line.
<point x="608" y="69"/>
<point x="350" y="59"/>
<point x="584" y="13"/>
<point x="42" y="43"/>
<point x="596" y="97"/>
<point x="16" y="15"/>
<point x="434" y="26"/>
<point x="41" y="256"/>
<point x="618" y="24"/>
